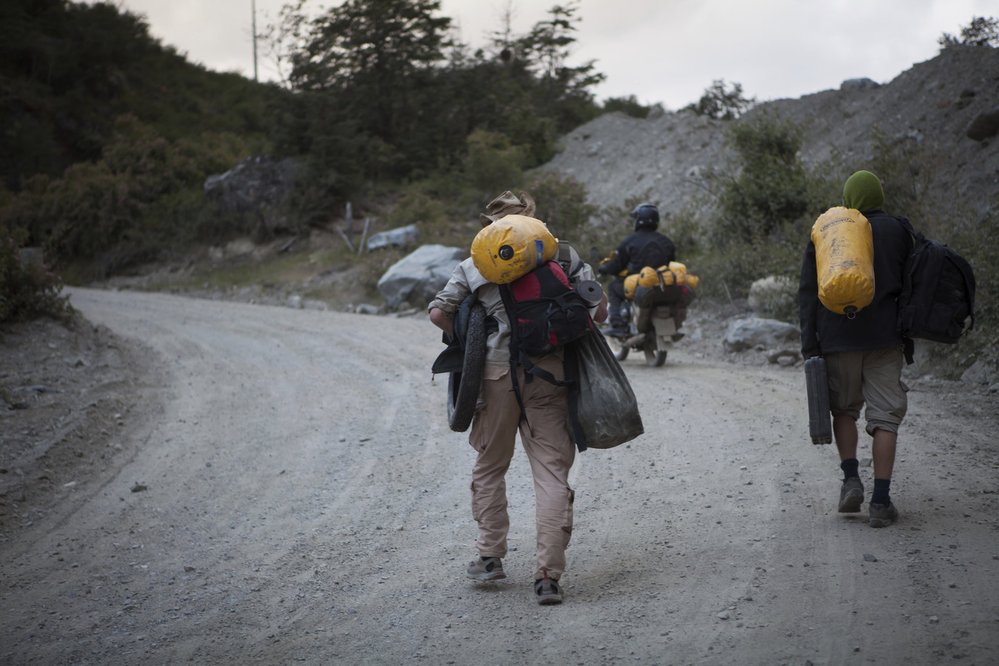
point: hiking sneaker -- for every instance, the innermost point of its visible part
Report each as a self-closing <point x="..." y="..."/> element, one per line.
<point x="485" y="569"/>
<point x="851" y="495"/>
<point x="547" y="591"/>
<point x="882" y="515"/>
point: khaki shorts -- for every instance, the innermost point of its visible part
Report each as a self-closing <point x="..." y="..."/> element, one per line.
<point x="873" y="378"/>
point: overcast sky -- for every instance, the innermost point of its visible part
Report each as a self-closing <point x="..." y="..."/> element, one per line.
<point x="665" y="51"/>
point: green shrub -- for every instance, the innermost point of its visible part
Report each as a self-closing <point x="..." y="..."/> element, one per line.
<point x="561" y="203"/>
<point x="686" y="228"/>
<point x="903" y="167"/>
<point x="630" y="106"/>
<point x="416" y="207"/>
<point x="772" y="185"/>
<point x="492" y="163"/>
<point x="143" y="196"/>
<point x="721" y="102"/>
<point x="775" y="297"/>
<point x="728" y="272"/>
<point x="27" y="290"/>
<point x="981" y="31"/>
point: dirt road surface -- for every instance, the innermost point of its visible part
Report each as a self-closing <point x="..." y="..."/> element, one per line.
<point x="287" y="490"/>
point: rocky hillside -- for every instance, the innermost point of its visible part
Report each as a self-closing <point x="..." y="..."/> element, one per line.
<point x="934" y="103"/>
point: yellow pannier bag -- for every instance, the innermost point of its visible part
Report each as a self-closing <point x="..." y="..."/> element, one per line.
<point x="844" y="260"/>
<point x="512" y="247"/>
<point x="630" y="285"/>
<point x="647" y="277"/>
<point x="676" y="273"/>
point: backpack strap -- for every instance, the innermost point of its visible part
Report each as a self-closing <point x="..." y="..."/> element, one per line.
<point x="514" y="349"/>
<point x="572" y="378"/>
<point x="908" y="344"/>
<point x="518" y="357"/>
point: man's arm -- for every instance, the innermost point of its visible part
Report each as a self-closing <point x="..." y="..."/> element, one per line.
<point x="448" y="299"/>
<point x="442" y="320"/>
<point x="617" y="262"/>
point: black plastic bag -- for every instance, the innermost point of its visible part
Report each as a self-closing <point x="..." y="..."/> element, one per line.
<point x="603" y="411"/>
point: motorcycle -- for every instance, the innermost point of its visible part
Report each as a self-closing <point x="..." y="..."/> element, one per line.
<point x="653" y="330"/>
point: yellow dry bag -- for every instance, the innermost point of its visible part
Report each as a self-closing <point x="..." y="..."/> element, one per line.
<point x="844" y="260"/>
<point x="676" y="273"/>
<point x="647" y="277"/>
<point x="512" y="247"/>
<point x="630" y="285"/>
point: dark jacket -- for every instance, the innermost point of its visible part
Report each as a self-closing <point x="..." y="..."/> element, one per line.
<point x="874" y="327"/>
<point x="645" y="247"/>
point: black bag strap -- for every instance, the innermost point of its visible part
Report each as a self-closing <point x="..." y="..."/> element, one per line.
<point x="572" y="379"/>
<point x="518" y="357"/>
<point x="908" y="344"/>
<point x="508" y="304"/>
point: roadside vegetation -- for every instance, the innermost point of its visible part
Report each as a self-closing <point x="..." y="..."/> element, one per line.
<point x="111" y="136"/>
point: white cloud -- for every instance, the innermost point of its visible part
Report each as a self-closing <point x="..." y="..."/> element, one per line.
<point x="665" y="51"/>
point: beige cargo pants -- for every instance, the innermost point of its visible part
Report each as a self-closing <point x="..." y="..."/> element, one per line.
<point x="550" y="450"/>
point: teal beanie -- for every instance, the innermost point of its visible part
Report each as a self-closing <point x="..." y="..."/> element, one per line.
<point x="863" y="191"/>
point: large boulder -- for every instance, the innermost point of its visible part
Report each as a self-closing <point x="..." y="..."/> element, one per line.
<point x="259" y="185"/>
<point x="417" y="277"/>
<point x="984" y="126"/>
<point x="982" y="371"/>
<point x="759" y="333"/>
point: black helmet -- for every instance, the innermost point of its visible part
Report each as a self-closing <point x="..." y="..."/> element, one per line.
<point x="645" y="216"/>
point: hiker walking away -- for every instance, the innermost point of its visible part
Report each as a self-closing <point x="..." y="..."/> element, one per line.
<point x="644" y="247"/>
<point x="863" y="352"/>
<point x="544" y="428"/>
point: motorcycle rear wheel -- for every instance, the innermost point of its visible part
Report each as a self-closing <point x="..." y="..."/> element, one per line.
<point x="655" y="357"/>
<point x="618" y="347"/>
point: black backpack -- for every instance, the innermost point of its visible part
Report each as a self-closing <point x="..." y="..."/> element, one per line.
<point x="545" y="312"/>
<point x="938" y="292"/>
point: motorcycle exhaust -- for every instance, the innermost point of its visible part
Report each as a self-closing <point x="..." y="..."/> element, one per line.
<point x="634" y="340"/>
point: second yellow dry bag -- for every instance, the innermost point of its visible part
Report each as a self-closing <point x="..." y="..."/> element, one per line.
<point x="630" y="285"/>
<point x="647" y="277"/>
<point x="512" y="247"/>
<point x="844" y="260"/>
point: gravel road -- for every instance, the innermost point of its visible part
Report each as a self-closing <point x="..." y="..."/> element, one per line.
<point x="287" y="489"/>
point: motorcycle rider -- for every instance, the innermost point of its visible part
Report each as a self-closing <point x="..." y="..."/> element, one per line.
<point x="645" y="247"/>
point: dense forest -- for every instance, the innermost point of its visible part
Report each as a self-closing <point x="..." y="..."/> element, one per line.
<point x="109" y="135"/>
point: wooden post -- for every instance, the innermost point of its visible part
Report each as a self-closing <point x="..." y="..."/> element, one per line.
<point x="364" y="236"/>
<point x="345" y="238"/>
